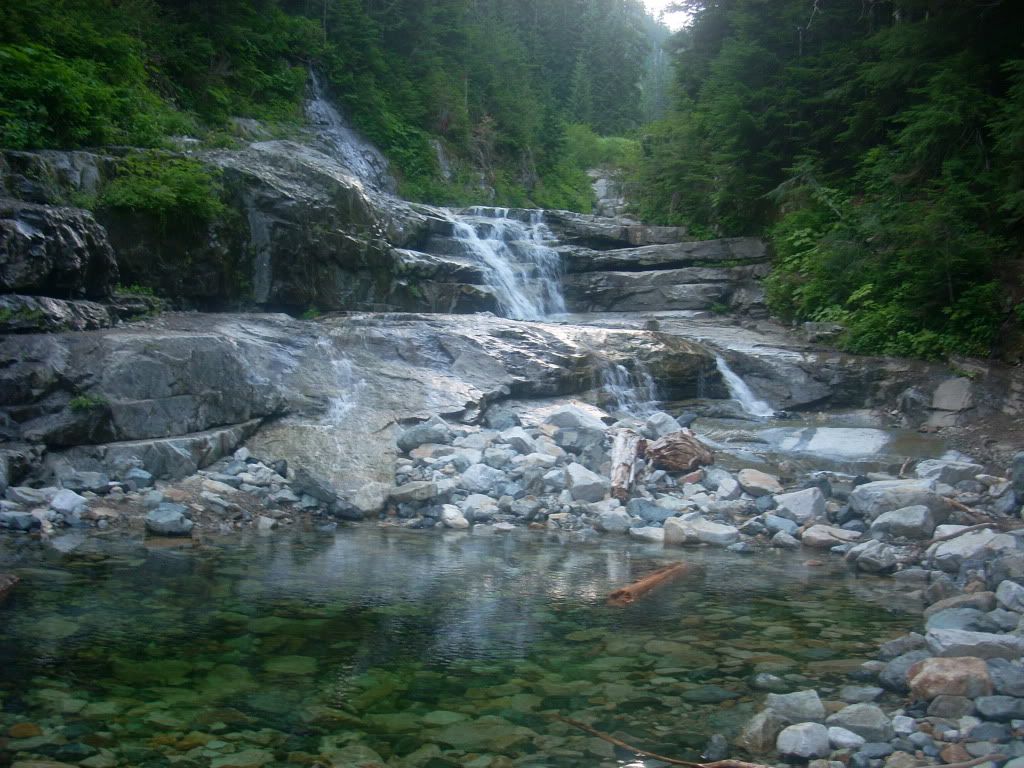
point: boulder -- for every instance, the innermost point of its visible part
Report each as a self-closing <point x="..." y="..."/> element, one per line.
<point x="67" y="502"/>
<point x="310" y="484"/>
<point x="1001" y="709"/>
<point x="481" y="478"/>
<point x="169" y="520"/>
<point x="694" y="529"/>
<point x="759" y="734"/>
<point x="804" y="740"/>
<point x="451" y="517"/>
<point x="1010" y="596"/>
<point x="914" y="522"/>
<point x="873" y="557"/>
<point x="872" y="499"/>
<point x="571" y="417"/>
<point x="840" y="738"/>
<point x="19" y="521"/>
<point x="415" y="491"/>
<point x="660" y="424"/>
<point x="894" y="675"/>
<point x="371" y="498"/>
<point x="43" y="314"/>
<point x="648" y="511"/>
<point x="613" y="521"/>
<point x="948" y="472"/>
<point x="434" y="430"/>
<point x="827" y="536"/>
<point x="758" y="483"/>
<point x="797" y="707"/>
<point x="983" y="645"/>
<point x="976" y="545"/>
<point x="952" y="676"/>
<point x="585" y="485"/>
<point x="801" y="506"/>
<point x="51" y="251"/>
<point x="1007" y="677"/>
<point x="519" y="439"/>
<point x="864" y="719"/>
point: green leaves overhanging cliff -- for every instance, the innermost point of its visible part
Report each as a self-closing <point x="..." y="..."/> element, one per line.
<point x="879" y="144"/>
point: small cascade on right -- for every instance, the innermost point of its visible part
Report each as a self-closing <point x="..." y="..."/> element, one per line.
<point x="741" y="393"/>
<point x="634" y="393"/>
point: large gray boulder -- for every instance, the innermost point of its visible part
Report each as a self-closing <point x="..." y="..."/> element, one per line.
<point x="872" y="499"/>
<point x="169" y="520"/>
<point x="948" y="472"/>
<point x="585" y="485"/>
<point x="801" y="506"/>
<point x="973" y="546"/>
<point x="805" y="741"/>
<point x="983" y="645"/>
<point x="52" y="251"/>
<point x="797" y="707"/>
<point x="694" y="529"/>
<point x="910" y="522"/>
<point x="435" y="430"/>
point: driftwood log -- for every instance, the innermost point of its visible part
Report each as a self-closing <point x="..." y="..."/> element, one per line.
<point x="680" y="451"/>
<point x="627" y="448"/>
<point x="7" y="582"/>
<point x="630" y="593"/>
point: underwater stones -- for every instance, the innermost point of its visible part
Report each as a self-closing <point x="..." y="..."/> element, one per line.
<point x="760" y="732"/>
<point x="489" y="733"/>
<point x="291" y="665"/>
<point x="168" y="520"/>
<point x="55" y="628"/>
<point x="247" y="758"/>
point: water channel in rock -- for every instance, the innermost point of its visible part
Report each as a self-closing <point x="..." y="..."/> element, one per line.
<point x="311" y="644"/>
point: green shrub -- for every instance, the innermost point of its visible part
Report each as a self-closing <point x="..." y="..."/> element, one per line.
<point x="166" y="188"/>
<point x="83" y="403"/>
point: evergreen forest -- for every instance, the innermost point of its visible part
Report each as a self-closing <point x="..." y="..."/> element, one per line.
<point x="879" y="145"/>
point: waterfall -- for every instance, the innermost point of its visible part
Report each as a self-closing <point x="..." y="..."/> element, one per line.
<point x="345" y="386"/>
<point x="741" y="392"/>
<point x="523" y="272"/>
<point x="342" y="142"/>
<point x="634" y="393"/>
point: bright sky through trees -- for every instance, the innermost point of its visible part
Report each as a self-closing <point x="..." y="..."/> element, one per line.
<point x="674" y="21"/>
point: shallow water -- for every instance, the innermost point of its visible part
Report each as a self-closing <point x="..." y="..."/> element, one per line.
<point x="450" y="647"/>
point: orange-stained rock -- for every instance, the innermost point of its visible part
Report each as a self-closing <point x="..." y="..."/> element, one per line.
<point x="24" y="731"/>
<point x="955" y="676"/>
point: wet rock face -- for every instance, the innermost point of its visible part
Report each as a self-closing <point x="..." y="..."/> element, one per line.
<point x="59" y="252"/>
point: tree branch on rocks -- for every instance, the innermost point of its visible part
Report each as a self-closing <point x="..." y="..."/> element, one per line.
<point x="958" y="534"/>
<point x="670" y="760"/>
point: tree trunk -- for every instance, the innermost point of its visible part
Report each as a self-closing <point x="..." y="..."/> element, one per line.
<point x="627" y="447"/>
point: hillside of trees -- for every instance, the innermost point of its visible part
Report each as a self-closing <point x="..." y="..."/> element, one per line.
<point x="880" y="145"/>
<point x="498" y="83"/>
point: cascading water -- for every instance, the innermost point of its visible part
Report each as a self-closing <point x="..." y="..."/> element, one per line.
<point x="741" y="393"/>
<point x="346" y="385"/>
<point x="344" y="143"/>
<point x="520" y="268"/>
<point x="634" y="393"/>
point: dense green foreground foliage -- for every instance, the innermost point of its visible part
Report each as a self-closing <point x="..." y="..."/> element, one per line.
<point x="880" y="144"/>
<point x="495" y="81"/>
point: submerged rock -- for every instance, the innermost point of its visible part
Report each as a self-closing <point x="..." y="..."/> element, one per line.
<point x="169" y="520"/>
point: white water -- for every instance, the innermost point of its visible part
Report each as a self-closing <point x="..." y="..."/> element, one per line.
<point x="634" y="393"/>
<point x="344" y="144"/>
<point x="741" y="393"/>
<point x="523" y="272"/>
<point x="346" y="386"/>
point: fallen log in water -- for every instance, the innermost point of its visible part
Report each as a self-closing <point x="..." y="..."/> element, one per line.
<point x="7" y="582"/>
<point x="680" y="451"/>
<point x="627" y="448"/>
<point x="658" y="578"/>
